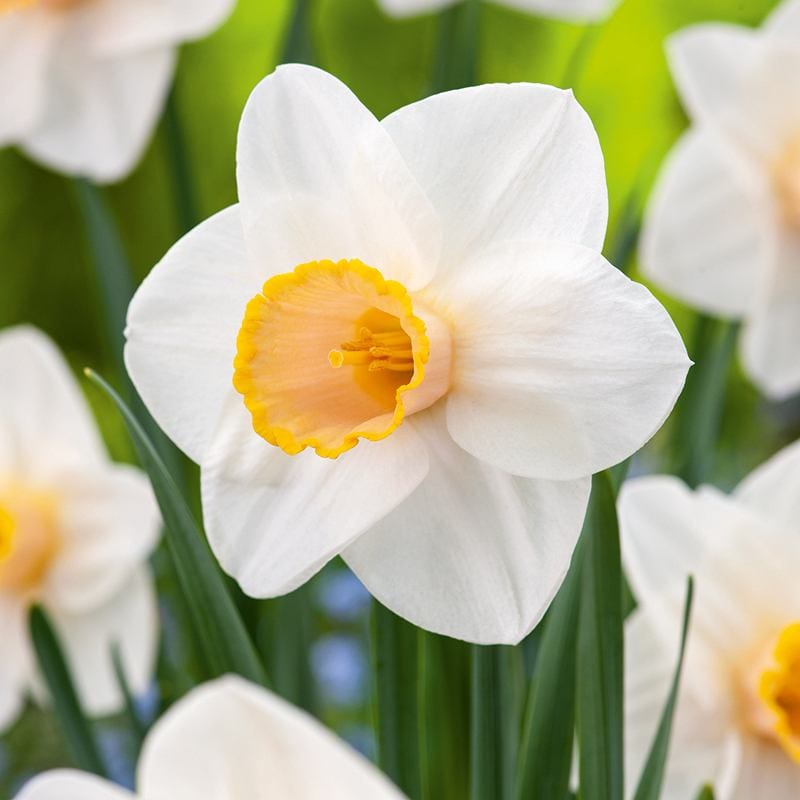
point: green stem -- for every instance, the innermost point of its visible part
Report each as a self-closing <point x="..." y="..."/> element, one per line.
<point x="183" y="185"/>
<point x="395" y="655"/>
<point x="456" y="61"/>
<point x="76" y="728"/>
<point x="298" y="46"/>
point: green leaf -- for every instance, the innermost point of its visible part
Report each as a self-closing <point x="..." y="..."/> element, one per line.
<point x="600" y="650"/>
<point x="138" y="729"/>
<point x="706" y="793"/>
<point x="698" y="412"/>
<point x="298" y="47"/>
<point x="76" y="728"/>
<point x="456" y="62"/>
<point x="546" y="751"/>
<point x="497" y="695"/>
<point x="223" y="639"/>
<point x="445" y="714"/>
<point x="183" y="187"/>
<point x="652" y="776"/>
<point x="395" y="656"/>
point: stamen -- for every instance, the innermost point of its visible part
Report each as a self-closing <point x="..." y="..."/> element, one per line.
<point x="387" y="350"/>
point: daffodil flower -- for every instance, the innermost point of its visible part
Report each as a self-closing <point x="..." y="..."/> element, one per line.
<point x="578" y="10"/>
<point x="403" y="346"/>
<point x="722" y="231"/>
<point x="75" y="534"/>
<point x="737" y="722"/>
<point x="229" y="738"/>
<point x="82" y="82"/>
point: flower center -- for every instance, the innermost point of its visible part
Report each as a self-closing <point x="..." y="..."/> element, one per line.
<point x="779" y="691"/>
<point x="28" y="539"/>
<point x="333" y="352"/>
<point x="787" y="182"/>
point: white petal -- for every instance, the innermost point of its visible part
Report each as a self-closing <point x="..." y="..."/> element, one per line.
<point x="108" y="525"/>
<point x="228" y="737"/>
<point x="699" y="746"/>
<point x="563" y="366"/>
<point x="742" y="563"/>
<point x="128" y="621"/>
<point x="709" y="232"/>
<point x="182" y="328"/>
<point x="773" y="489"/>
<point x="273" y="520"/>
<point x="17" y="660"/>
<point x="474" y="552"/>
<point x="709" y="62"/>
<point x="99" y="112"/>
<point x="661" y="539"/>
<point x="766" y="771"/>
<point x="410" y="8"/>
<point x="319" y="178"/>
<point x="784" y="21"/>
<point x="25" y="44"/>
<point x="505" y="161"/>
<point x="119" y="26"/>
<point x="576" y="10"/>
<point x="770" y="350"/>
<point x="68" y="784"/>
<point x="45" y="423"/>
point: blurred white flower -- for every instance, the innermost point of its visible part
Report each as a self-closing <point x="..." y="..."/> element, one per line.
<point x="75" y="534"/>
<point x="737" y="722"/>
<point x="516" y="358"/>
<point x="578" y="10"/>
<point x="226" y="739"/>
<point x="82" y="82"/>
<point x="722" y="232"/>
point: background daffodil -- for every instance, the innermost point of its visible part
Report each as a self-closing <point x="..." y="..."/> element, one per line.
<point x="582" y="10"/>
<point x="723" y="227"/>
<point x="82" y="82"/>
<point x="403" y="346"/>
<point x="737" y="722"/>
<point x="230" y="738"/>
<point x="75" y="534"/>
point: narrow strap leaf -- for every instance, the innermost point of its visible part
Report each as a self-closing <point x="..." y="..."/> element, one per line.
<point x="698" y="412"/>
<point x="497" y="695"/>
<point x="600" y="651"/>
<point x="76" y="728"/>
<point x="395" y="655"/>
<point x="549" y="732"/>
<point x="298" y="47"/>
<point x="137" y="727"/>
<point x="456" y="61"/>
<point x="652" y="776"/>
<point x="223" y="638"/>
<point x="444" y="716"/>
<point x="183" y="186"/>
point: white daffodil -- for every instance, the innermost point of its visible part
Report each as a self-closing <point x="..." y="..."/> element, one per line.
<point x="75" y="533"/>
<point x="578" y="10"/>
<point x="737" y="722"/>
<point x="403" y="346"/>
<point x="226" y="739"/>
<point x="723" y="229"/>
<point x="82" y="82"/>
